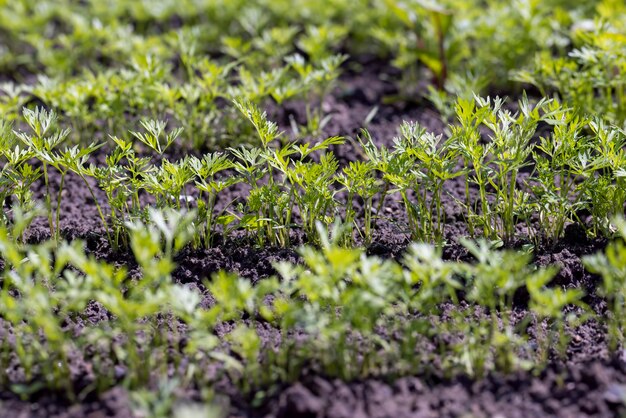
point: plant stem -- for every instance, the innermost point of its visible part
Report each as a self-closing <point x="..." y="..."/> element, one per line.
<point x="59" y="196"/>
<point x="48" y="201"/>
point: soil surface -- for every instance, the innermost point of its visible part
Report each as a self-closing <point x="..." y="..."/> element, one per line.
<point x="587" y="383"/>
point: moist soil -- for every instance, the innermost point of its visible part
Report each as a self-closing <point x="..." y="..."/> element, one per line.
<point x="588" y="382"/>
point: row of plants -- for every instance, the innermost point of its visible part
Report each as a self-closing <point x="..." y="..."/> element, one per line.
<point x="513" y="176"/>
<point x="356" y="316"/>
<point x="107" y="96"/>
<point x="108" y="67"/>
<point x="590" y="78"/>
<point x="197" y="100"/>
<point x="113" y="66"/>
<point x="61" y="38"/>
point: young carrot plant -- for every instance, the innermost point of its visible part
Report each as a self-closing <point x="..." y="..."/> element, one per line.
<point x="606" y="187"/>
<point x="209" y="187"/>
<point x="70" y="160"/>
<point x="435" y="163"/>
<point x="280" y="183"/>
<point x="493" y="282"/>
<point x="417" y="167"/>
<point x="17" y="175"/>
<point x="43" y="139"/>
<point x="33" y="280"/>
<point x="268" y="210"/>
<point x="611" y="266"/>
<point x="561" y="176"/>
<point x="330" y="278"/>
<point x="126" y="174"/>
<point x="549" y="304"/>
<point x="494" y="167"/>
<point x="312" y="184"/>
<point x="589" y="78"/>
<point x="358" y="180"/>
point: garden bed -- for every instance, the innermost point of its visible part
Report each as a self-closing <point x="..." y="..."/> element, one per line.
<point x="330" y="234"/>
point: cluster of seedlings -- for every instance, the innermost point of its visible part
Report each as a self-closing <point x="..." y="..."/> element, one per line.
<point x="575" y="169"/>
<point x="357" y="316"/>
<point x="159" y="110"/>
<point x="108" y="67"/>
<point x="338" y="299"/>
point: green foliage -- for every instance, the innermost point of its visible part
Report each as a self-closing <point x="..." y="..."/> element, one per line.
<point x="57" y="283"/>
<point x="417" y="167"/>
<point x="563" y="168"/>
<point x="550" y="303"/>
<point x="113" y="65"/>
<point x="338" y="300"/>
<point x="279" y="183"/>
<point x="161" y="121"/>
<point x="609" y="265"/>
<point x="359" y="181"/>
<point x="431" y="23"/>
<point x="496" y="165"/>
<point x="590" y="77"/>
<point x="576" y="167"/>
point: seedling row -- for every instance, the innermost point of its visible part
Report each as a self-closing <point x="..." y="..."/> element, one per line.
<point x="511" y="175"/>
<point x="216" y="208"/>
<point x="337" y="299"/>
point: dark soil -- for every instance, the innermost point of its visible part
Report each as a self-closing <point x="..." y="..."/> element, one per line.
<point x="588" y="383"/>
